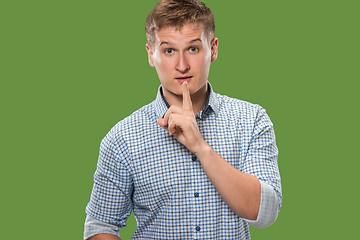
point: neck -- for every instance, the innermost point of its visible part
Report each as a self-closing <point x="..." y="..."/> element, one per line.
<point x="198" y="99"/>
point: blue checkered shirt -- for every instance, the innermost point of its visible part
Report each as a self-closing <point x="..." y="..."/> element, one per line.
<point x="141" y="168"/>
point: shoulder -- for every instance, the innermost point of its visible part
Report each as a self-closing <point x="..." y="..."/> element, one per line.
<point x="136" y="122"/>
<point x="245" y="114"/>
<point x="237" y="107"/>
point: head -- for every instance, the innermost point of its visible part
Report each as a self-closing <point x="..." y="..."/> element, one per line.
<point x="181" y="44"/>
<point x="176" y="13"/>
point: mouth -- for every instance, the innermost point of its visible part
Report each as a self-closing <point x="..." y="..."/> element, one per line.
<point x="183" y="79"/>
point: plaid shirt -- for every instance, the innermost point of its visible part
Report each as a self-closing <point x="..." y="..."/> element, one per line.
<point x="142" y="168"/>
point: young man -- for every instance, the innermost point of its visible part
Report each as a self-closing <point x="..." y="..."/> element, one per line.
<point x="192" y="164"/>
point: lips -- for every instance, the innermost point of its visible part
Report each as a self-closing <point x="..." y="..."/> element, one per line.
<point x="183" y="79"/>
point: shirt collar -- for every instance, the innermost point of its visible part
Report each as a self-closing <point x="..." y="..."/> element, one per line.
<point x="161" y="106"/>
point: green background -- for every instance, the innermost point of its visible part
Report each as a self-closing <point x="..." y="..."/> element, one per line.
<point x="70" y="70"/>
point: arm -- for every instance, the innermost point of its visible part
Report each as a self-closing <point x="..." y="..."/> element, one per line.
<point x="241" y="191"/>
<point x="253" y="193"/>
<point x="247" y="196"/>
<point x="110" y="202"/>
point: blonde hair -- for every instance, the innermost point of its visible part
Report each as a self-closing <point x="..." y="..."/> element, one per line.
<point x="176" y="13"/>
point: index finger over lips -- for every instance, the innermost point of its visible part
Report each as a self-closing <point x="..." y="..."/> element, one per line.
<point x="187" y="104"/>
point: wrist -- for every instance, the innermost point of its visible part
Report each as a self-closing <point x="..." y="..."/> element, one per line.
<point x="203" y="150"/>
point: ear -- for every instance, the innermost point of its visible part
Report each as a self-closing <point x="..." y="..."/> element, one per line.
<point x="214" y="49"/>
<point x="150" y="55"/>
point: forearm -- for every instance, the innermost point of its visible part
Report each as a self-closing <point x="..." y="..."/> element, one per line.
<point x="240" y="191"/>
<point x="104" y="236"/>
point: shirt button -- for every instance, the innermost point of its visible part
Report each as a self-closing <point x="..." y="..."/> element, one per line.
<point x="194" y="158"/>
<point x="196" y="194"/>
<point x="198" y="228"/>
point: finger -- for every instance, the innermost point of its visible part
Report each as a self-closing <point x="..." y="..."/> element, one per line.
<point x="165" y="120"/>
<point x="187" y="104"/>
<point x="174" y="123"/>
<point x="171" y="126"/>
<point x="160" y="121"/>
<point x="171" y="110"/>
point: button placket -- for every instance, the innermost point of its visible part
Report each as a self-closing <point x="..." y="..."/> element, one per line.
<point x="196" y="222"/>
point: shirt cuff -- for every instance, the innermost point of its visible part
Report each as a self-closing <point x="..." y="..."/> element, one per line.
<point x="93" y="227"/>
<point x="269" y="207"/>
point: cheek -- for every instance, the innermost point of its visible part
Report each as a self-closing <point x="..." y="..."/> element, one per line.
<point x="163" y="66"/>
<point x="205" y="58"/>
<point x="164" y="70"/>
<point x="158" y="65"/>
<point x="205" y="64"/>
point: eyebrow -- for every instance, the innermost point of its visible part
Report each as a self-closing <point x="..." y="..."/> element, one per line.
<point x="197" y="39"/>
<point x="192" y="41"/>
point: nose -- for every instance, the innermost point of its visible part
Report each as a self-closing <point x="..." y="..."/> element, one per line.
<point x="182" y="64"/>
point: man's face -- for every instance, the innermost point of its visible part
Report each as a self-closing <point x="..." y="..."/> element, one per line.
<point x="182" y="55"/>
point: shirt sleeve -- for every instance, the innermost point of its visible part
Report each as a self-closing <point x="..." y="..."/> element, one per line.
<point x="110" y="200"/>
<point x="261" y="162"/>
<point x="93" y="227"/>
<point x="269" y="207"/>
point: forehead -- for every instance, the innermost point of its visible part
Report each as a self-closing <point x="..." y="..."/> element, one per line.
<point x="175" y="35"/>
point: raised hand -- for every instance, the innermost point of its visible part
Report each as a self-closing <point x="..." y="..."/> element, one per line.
<point x="181" y="122"/>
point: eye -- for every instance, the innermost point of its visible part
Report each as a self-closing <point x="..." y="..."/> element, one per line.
<point x="193" y="49"/>
<point x="169" y="51"/>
